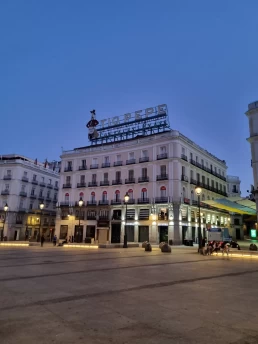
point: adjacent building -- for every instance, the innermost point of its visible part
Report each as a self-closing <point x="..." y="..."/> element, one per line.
<point x="24" y="185"/>
<point x="233" y="186"/>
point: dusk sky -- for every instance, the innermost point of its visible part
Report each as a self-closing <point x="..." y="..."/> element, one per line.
<point x="60" y="59"/>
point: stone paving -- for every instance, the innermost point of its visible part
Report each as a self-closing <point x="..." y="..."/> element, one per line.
<point x="58" y="295"/>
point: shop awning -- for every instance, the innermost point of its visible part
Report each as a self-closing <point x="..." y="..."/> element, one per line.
<point x="234" y="204"/>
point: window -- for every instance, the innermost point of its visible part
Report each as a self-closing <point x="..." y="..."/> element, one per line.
<point x="144" y="153"/>
<point x="31" y="206"/>
<point x="217" y="185"/>
<point x="106" y="159"/>
<point x="23" y="188"/>
<point x="67" y="197"/>
<point x="203" y="179"/>
<point x="56" y="184"/>
<point x="208" y="181"/>
<point x="183" y="193"/>
<point x="192" y="195"/>
<point x="234" y="188"/>
<point x="211" y="168"/>
<point x="223" y="173"/>
<point x="117" y="195"/>
<point x="163" y="191"/>
<point x="219" y="171"/>
<point x="50" y="181"/>
<point x="118" y="157"/>
<point x="144" y="193"/>
<point x="7" y="187"/>
<point x="202" y="162"/>
<point x="104" y="196"/>
<point x="130" y="193"/>
<point x="144" y="172"/>
<point x="69" y="165"/>
<point x="131" y="155"/>
<point x="83" y="163"/>
<point x="183" y="150"/>
<point x="183" y="170"/>
<point x="224" y="188"/>
<point x="21" y="204"/>
<point x="42" y="179"/>
<point x="40" y="192"/>
<point x="68" y="179"/>
<point x="34" y="177"/>
<point x="212" y="183"/>
<point x="131" y="174"/>
<point x="191" y="174"/>
<point x="48" y="194"/>
<point x="196" y="158"/>
<point x="118" y="175"/>
<point x="82" y="179"/>
<point x="92" y="196"/>
<point x="163" y="150"/>
<point x="94" y="178"/>
<point x="33" y="191"/>
<point x="203" y="197"/>
<point x="220" y="187"/>
<point x="105" y="177"/>
<point x="25" y="173"/>
<point x="198" y="177"/>
<point x="9" y="173"/>
<point x="191" y="156"/>
<point x="215" y="169"/>
<point x="95" y="161"/>
<point x="55" y="197"/>
<point x="163" y="170"/>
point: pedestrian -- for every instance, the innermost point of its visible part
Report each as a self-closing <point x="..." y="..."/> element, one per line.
<point x="54" y="240"/>
<point x="203" y="246"/>
<point x="42" y="239"/>
<point x="226" y="249"/>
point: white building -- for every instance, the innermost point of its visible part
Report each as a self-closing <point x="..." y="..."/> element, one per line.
<point x="24" y="184"/>
<point x="158" y="171"/>
<point x="233" y="186"/>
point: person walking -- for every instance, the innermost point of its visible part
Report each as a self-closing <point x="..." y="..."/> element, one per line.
<point x="203" y="246"/>
<point x="54" y="240"/>
<point x="226" y="249"/>
<point x="42" y="239"/>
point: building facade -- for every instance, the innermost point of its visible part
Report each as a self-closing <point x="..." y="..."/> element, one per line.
<point x="24" y="184"/>
<point x="233" y="186"/>
<point x="159" y="172"/>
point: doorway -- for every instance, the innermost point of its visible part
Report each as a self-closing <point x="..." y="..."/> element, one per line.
<point x="130" y="233"/>
<point x="15" y="235"/>
<point x="78" y="233"/>
<point x="238" y="234"/>
<point x="184" y="230"/>
<point x="143" y="233"/>
<point x="163" y="233"/>
<point x="116" y="233"/>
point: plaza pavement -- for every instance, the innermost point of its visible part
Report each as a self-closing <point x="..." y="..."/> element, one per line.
<point x="65" y="295"/>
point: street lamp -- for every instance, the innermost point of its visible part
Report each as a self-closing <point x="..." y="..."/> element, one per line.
<point x="80" y="203"/>
<point x="5" y="210"/>
<point x="198" y="191"/>
<point x="41" y="206"/>
<point x="126" y="199"/>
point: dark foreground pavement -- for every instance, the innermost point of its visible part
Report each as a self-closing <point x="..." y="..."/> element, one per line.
<point x="58" y="295"/>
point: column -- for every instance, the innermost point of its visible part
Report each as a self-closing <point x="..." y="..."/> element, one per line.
<point x="177" y="227"/>
<point x="136" y="233"/>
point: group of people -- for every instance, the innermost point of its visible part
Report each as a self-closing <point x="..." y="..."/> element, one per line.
<point x="42" y="240"/>
<point x="214" y="246"/>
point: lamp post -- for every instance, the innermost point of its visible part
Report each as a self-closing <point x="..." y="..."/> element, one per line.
<point x="5" y="215"/>
<point x="41" y="206"/>
<point x="126" y="199"/>
<point x="80" y="203"/>
<point x="198" y="191"/>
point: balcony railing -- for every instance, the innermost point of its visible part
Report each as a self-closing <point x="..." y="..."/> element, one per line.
<point x="143" y="200"/>
<point x="144" y="159"/>
<point x="82" y="168"/>
<point x="48" y="199"/>
<point x="104" y="202"/>
<point x="42" y="184"/>
<point x="91" y="184"/>
<point x="56" y="187"/>
<point x="184" y="157"/>
<point x="68" y="169"/>
<point x="33" y="196"/>
<point x="193" y="181"/>
<point x="41" y="198"/>
<point x="206" y="169"/>
<point x="94" y="166"/>
<point x="104" y="217"/>
<point x="7" y="177"/>
<point x="35" y="182"/>
<point x="162" y="177"/>
<point x="22" y="210"/>
<point x="104" y="183"/>
<point x="118" y="163"/>
<point x="105" y="164"/>
<point x="81" y="185"/>
<point x="161" y="199"/>
<point x="25" y="179"/>
<point x="131" y="201"/>
<point x="91" y="217"/>
<point x="162" y="156"/>
<point x="23" y="194"/>
<point x="116" y="201"/>
<point x="117" y="182"/>
<point x="91" y="202"/>
<point x="184" y="178"/>
<point x="194" y="202"/>
<point x="67" y="186"/>
<point x="143" y="179"/>
<point x="5" y="192"/>
<point x="130" y="161"/>
<point x="130" y="181"/>
<point x="49" y="186"/>
<point x="65" y="204"/>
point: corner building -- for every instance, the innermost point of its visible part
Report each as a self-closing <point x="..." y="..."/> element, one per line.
<point x="158" y="171"/>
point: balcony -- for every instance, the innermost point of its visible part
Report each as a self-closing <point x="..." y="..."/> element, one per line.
<point x="95" y="166"/>
<point x="91" y="217"/>
<point x="104" y="183"/>
<point x="234" y="191"/>
<point x="42" y="184"/>
<point x="143" y="200"/>
<point x="130" y="161"/>
<point x="40" y="198"/>
<point x="34" y="181"/>
<point x="131" y="201"/>
<point x="105" y="164"/>
<point x="193" y="181"/>
<point x="49" y="186"/>
<point x="104" y="217"/>
<point x="162" y="177"/>
<point x="56" y="187"/>
<point x="25" y="179"/>
<point x="92" y="184"/>
<point x="22" y="210"/>
<point x="92" y="202"/>
<point x="143" y="179"/>
<point x="118" y="163"/>
<point x="206" y="169"/>
<point x="65" y="204"/>
<point x="68" y="169"/>
<point x="117" y="182"/>
<point x="5" y="192"/>
<point x="115" y="201"/>
<point x="104" y="202"/>
<point x="162" y="156"/>
<point x="184" y="178"/>
<point x="81" y="185"/>
<point x="23" y="194"/>
<point x="144" y="159"/>
<point x="184" y="157"/>
<point x="82" y="168"/>
<point x="194" y="202"/>
<point x="161" y="199"/>
<point x="130" y="181"/>
<point x="7" y="177"/>
<point x="32" y="196"/>
<point x="48" y="199"/>
<point x="67" y="186"/>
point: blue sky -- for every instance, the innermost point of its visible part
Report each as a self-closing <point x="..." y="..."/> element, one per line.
<point x="59" y="59"/>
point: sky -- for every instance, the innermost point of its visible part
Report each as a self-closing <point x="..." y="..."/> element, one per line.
<point x="60" y="59"/>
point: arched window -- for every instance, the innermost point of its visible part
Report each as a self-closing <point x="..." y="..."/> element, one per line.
<point x="67" y="197"/>
<point x="117" y="195"/>
<point x="144" y="193"/>
<point x="92" y="196"/>
<point x="183" y="193"/>
<point x="163" y="191"/>
<point x="130" y="193"/>
<point x="104" y="196"/>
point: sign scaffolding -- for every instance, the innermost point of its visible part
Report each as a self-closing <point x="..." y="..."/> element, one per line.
<point x="140" y="123"/>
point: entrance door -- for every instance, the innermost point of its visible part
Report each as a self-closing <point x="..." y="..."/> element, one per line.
<point x="103" y="236"/>
<point x="163" y="234"/>
<point x="130" y="233"/>
<point x="238" y="235"/>
<point x="78" y="233"/>
<point x="143" y="233"/>
<point x="184" y="230"/>
<point x="116" y="233"/>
